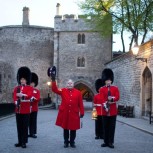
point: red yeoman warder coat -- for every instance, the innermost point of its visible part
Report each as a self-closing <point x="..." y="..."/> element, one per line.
<point x="115" y="94"/>
<point x="70" y="109"/>
<point x="98" y="103"/>
<point x="24" y="106"/>
<point x="34" y="104"/>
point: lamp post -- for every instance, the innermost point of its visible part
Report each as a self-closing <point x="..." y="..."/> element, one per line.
<point x="135" y="51"/>
<point x="48" y="97"/>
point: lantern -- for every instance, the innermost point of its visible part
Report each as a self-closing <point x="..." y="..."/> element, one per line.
<point x="94" y="114"/>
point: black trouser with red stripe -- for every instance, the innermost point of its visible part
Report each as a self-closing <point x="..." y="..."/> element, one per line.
<point x="71" y="134"/>
<point x="33" y="123"/>
<point x="22" y="121"/>
<point x="109" y="123"/>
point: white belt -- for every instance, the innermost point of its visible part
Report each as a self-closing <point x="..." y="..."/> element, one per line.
<point x="97" y="104"/>
<point x="25" y="100"/>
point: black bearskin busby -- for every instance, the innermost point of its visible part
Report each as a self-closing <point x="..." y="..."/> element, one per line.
<point x="51" y="70"/>
<point x="34" y="78"/>
<point x="98" y="84"/>
<point x="107" y="74"/>
<point x="24" y="72"/>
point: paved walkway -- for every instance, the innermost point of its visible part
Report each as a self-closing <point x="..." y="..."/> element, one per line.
<point x="50" y="140"/>
<point x="139" y="123"/>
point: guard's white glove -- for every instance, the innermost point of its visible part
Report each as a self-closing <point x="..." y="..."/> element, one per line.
<point x="109" y="98"/>
<point x="106" y="106"/>
<point x="21" y="95"/>
<point x="32" y="99"/>
<point x="16" y="102"/>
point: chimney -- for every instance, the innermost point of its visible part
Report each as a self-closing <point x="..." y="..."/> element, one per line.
<point x="58" y="9"/>
<point x="25" y="16"/>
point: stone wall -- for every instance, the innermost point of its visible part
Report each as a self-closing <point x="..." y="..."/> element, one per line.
<point x="6" y="72"/>
<point x="30" y="46"/>
<point x="128" y="73"/>
<point x="70" y="23"/>
<point x="40" y="47"/>
<point x="96" y="51"/>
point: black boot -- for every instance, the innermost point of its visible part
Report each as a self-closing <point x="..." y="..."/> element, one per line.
<point x="97" y="137"/>
<point x="34" y="136"/>
<point x="23" y="145"/>
<point x="104" y="145"/>
<point x="111" y="145"/>
<point x="17" y="145"/>
<point x="66" y="144"/>
<point x="72" y="144"/>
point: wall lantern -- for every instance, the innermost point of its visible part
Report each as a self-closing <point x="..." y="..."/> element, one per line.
<point x="49" y="83"/>
<point x="135" y="51"/>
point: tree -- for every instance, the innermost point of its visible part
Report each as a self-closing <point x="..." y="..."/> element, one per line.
<point x="134" y="16"/>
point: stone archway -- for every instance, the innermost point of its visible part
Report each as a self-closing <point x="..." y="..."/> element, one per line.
<point x="87" y="93"/>
<point x="146" y="92"/>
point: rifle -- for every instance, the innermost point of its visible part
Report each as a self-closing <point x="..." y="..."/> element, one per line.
<point x="106" y="104"/>
<point x="18" y="101"/>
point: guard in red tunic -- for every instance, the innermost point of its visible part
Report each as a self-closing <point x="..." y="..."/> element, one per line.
<point x="70" y="110"/>
<point x="98" y="104"/>
<point x="34" y="106"/>
<point x="110" y="95"/>
<point x="22" y="95"/>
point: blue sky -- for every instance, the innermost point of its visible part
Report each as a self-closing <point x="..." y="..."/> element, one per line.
<point x="42" y="13"/>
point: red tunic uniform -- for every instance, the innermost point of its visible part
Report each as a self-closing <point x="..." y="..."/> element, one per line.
<point x="70" y="109"/>
<point x="115" y="94"/>
<point x="34" y="104"/>
<point x="98" y="103"/>
<point x="24" y="107"/>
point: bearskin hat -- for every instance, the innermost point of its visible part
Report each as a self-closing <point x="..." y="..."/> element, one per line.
<point x="34" y="78"/>
<point x="51" y="70"/>
<point x="98" y="84"/>
<point x="24" y="72"/>
<point x="107" y="74"/>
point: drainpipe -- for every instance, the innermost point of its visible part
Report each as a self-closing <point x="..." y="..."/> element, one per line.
<point x="57" y="98"/>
